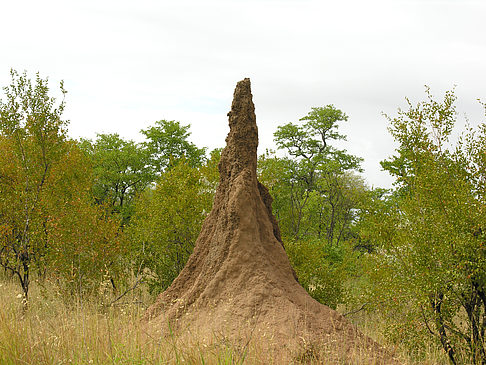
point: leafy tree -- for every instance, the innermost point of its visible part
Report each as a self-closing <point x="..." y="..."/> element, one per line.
<point x="121" y="172"/>
<point x="48" y="224"/>
<point x="313" y="178"/>
<point x="168" y="220"/>
<point x="317" y="200"/>
<point x="372" y="205"/>
<point x="339" y="206"/>
<point x="167" y="142"/>
<point x="124" y="169"/>
<point x="433" y="245"/>
<point x="32" y="136"/>
<point x="323" y="270"/>
<point x="82" y="242"/>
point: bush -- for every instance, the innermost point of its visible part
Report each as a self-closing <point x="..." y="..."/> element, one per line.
<point x="323" y="270"/>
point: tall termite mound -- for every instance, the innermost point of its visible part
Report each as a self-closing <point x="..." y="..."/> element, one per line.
<point x="238" y="279"/>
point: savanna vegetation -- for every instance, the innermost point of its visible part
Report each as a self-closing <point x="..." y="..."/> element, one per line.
<point x="92" y="230"/>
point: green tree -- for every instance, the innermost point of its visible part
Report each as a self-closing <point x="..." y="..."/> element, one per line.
<point x="433" y="245"/>
<point x="372" y="205"/>
<point x="33" y="135"/>
<point x="317" y="200"/>
<point x="82" y="241"/>
<point x="48" y="222"/>
<point x="313" y="177"/>
<point x="121" y="172"/>
<point x="168" y="220"/>
<point x="324" y="270"/>
<point x="167" y="142"/>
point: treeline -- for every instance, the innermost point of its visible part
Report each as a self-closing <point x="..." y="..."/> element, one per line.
<point x="98" y="214"/>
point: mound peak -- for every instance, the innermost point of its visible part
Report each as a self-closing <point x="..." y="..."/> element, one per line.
<point x="239" y="281"/>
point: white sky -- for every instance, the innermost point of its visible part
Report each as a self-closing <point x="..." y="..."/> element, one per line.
<point x="127" y="64"/>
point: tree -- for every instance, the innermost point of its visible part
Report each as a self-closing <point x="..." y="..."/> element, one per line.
<point x="313" y="176"/>
<point x="167" y="142"/>
<point x="83" y="246"/>
<point x="373" y="204"/>
<point x="433" y="244"/>
<point x="168" y="220"/>
<point x="32" y="135"/>
<point x="48" y="222"/>
<point x="121" y="172"/>
<point x="317" y="199"/>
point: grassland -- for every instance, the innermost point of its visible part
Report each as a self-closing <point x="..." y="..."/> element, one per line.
<point x="56" y="330"/>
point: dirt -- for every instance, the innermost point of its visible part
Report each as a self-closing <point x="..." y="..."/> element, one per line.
<point x="238" y="284"/>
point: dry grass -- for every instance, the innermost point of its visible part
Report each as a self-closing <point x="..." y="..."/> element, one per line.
<point x="53" y="331"/>
<point x="373" y="326"/>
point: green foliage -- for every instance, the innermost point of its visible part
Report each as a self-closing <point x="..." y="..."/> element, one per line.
<point x="373" y="205"/>
<point x="309" y="185"/>
<point x="433" y="245"/>
<point x="121" y="172"/>
<point x="32" y="137"/>
<point x="167" y="142"/>
<point x="317" y="202"/>
<point x="309" y="143"/>
<point x="48" y="224"/>
<point x="123" y="169"/>
<point x="323" y="270"/>
<point x="169" y="218"/>
<point x="82" y="242"/>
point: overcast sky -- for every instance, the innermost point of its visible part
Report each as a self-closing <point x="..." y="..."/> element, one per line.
<point x="127" y="64"/>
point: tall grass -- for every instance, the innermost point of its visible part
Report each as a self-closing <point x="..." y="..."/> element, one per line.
<point x="374" y="326"/>
<point x="56" y="330"/>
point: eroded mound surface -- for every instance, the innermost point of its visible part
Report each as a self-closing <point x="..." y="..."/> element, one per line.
<point x="238" y="283"/>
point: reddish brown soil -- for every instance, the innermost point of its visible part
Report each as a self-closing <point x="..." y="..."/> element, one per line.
<point x="238" y="283"/>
